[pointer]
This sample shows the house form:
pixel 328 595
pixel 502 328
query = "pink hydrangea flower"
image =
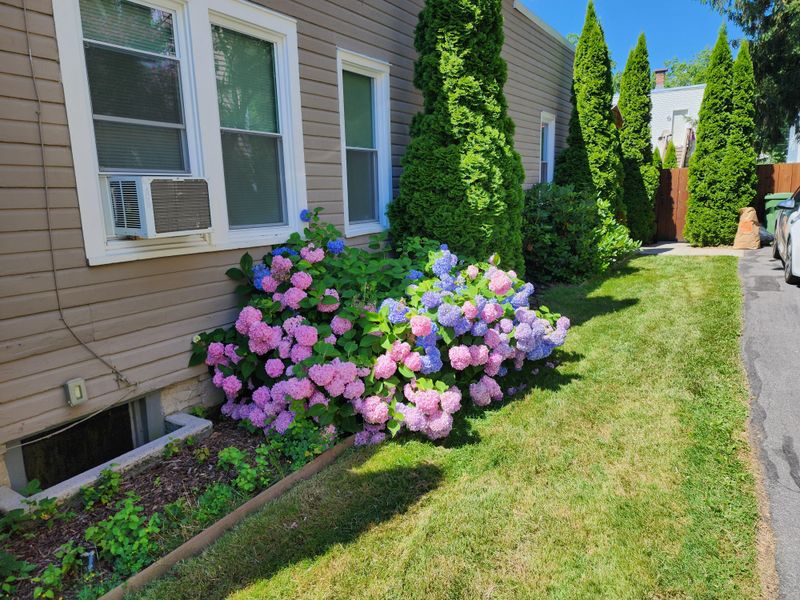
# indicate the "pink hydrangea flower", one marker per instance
pixel 306 335
pixel 321 374
pixel 215 354
pixel 269 284
pixel 261 396
pixel 293 297
pixel 413 361
pixel 472 271
pixel 292 323
pixel 479 394
pixel 420 325
pixel 492 338
pixel 302 280
pixel 354 389
pixel 311 254
pixel 263 338
pixel 284 348
pixel 506 325
pixel 329 308
pixel 231 385
pixel 399 351
pixel 257 416
pixel 460 357
pixel 299 353
pixel 470 310
pixel 478 355
pixel 492 367
pixel 274 367
pixel 375 410
pixel 414 418
pixel 439 425
pixel 340 325
pixel 218 378
pixel 385 367
pixel 491 312
pixel 500 283
pixel 299 389
pixel 318 398
pixel 282 421
pixel 280 267
pixel 230 352
pixel 450 400
pixel 247 317
pixel 427 401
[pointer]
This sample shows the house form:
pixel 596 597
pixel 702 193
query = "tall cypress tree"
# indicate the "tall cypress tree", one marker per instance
pixel 657 162
pixel 462 178
pixel 708 218
pixel 740 156
pixel 641 178
pixel 593 137
pixel 670 156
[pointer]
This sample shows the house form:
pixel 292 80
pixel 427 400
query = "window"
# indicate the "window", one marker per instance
pixel 366 159
pixel 547 147
pixel 203 89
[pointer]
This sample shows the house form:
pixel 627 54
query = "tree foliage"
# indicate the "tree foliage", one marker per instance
pixel 708 217
pixel 641 178
pixel 670 156
pixel 462 178
pixel 773 27
pixel 593 139
pixel 690 72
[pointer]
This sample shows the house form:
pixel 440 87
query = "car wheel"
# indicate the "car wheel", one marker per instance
pixel 787 265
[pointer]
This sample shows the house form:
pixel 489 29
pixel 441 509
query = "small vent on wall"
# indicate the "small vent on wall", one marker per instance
pixel 125 203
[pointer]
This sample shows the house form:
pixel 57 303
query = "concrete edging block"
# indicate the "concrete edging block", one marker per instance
pixel 187 426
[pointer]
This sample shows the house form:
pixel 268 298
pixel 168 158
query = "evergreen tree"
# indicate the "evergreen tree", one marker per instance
pixel 740 157
pixel 593 137
pixel 670 156
pixel 462 178
pixel 641 178
pixel 708 216
pixel 657 163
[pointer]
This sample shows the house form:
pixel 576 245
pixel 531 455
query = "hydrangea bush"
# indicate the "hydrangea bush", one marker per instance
pixel 366 343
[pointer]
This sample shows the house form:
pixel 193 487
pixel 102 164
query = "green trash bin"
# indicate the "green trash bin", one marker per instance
pixel 771 209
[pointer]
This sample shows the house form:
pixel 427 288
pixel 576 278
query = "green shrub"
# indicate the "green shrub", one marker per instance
pixel 613 240
pixel 657 162
pixel 104 489
pixel 709 217
pixel 462 178
pixel 670 156
pixel 559 234
pixel 641 177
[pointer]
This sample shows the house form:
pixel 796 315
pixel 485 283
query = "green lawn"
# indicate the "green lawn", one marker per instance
pixel 622 474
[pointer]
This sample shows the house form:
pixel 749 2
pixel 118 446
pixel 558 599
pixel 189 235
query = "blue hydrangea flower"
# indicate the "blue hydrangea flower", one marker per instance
pixel 540 351
pixel 305 215
pixel 336 246
pixel 431 300
pixel 479 302
pixel 260 271
pixel 479 329
pixel 397 310
pixel 446 283
pixel 283 250
pixel 443 247
pixel 502 372
pixel 448 315
pixel 413 275
pixel 462 326
pixel 428 341
pixel 444 264
pixel 432 361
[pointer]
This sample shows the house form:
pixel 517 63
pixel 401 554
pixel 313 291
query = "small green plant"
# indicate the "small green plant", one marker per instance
pixel 202 454
pixel 190 441
pixel 104 490
pixel 13 522
pixel 247 477
pixel 171 449
pixel 127 538
pixel 177 511
pixel 199 411
pixel 218 500
pixel 47 511
pixel 51 580
pixel 300 444
pixel 12 571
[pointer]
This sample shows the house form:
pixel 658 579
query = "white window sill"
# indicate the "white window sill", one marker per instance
pixel 357 229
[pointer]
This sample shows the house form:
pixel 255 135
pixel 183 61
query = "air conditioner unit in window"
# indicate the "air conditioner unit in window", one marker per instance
pixel 154 207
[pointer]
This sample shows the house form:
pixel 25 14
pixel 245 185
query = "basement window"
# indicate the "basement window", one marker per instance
pixel 53 458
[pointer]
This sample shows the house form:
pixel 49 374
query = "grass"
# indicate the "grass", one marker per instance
pixel 622 474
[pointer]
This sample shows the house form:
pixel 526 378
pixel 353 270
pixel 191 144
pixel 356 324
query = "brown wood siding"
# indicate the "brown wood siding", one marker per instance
pixel 141 315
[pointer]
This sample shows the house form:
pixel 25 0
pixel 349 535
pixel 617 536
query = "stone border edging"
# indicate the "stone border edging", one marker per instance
pixel 205 538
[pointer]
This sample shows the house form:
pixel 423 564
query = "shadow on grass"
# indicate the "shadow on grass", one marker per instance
pixel 335 508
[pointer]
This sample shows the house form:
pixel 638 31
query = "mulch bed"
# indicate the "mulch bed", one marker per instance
pixel 158 484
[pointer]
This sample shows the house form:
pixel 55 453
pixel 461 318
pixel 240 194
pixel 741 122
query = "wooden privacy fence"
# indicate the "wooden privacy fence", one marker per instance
pixel 673 195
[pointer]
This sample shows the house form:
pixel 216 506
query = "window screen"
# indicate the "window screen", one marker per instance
pixel 251 140
pixel 361 153
pixel 544 175
pixel 135 87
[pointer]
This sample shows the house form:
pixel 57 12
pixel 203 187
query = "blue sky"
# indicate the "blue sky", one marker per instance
pixel 676 28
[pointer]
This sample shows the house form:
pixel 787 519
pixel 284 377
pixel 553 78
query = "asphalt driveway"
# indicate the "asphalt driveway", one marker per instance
pixel 771 352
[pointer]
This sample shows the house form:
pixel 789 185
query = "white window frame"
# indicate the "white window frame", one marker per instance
pixel 194 47
pixel 378 71
pixel 550 120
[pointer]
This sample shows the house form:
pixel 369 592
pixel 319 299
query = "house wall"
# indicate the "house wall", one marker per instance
pixel 667 100
pixel 140 316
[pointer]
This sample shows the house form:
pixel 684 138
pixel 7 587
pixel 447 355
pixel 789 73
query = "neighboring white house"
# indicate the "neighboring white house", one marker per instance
pixel 793 149
pixel 674 117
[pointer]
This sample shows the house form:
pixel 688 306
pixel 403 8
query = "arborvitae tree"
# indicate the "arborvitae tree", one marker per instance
pixel 657 163
pixel 593 137
pixel 740 157
pixel 641 178
pixel 462 178
pixel 670 156
pixel 708 213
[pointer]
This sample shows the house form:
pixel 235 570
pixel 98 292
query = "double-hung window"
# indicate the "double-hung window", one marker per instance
pixel 206 90
pixel 547 147
pixel 366 159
